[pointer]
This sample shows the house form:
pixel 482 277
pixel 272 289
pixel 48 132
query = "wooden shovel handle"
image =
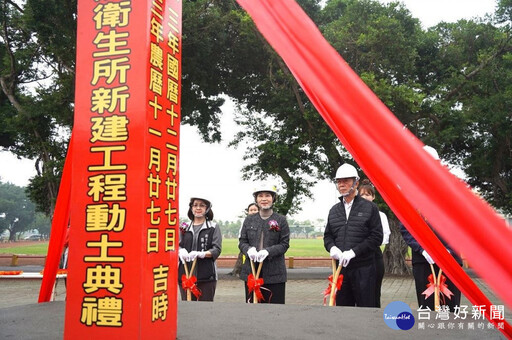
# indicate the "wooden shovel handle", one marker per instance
pixel 188 274
pixel 256 275
pixel 436 286
pixel 332 298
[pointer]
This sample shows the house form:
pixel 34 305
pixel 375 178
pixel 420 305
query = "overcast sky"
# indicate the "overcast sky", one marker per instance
pixel 214 170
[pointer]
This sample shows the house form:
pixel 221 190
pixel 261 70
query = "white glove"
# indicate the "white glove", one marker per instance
pixel 427 257
pixel 183 255
pixel 336 253
pixel 262 255
pixel 252 253
pixel 192 255
pixel 201 254
pixel 347 256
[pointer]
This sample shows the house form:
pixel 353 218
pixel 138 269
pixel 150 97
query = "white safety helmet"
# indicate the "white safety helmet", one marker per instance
pixel 200 197
pixel 209 212
pixel 347 171
pixel 266 188
pixel 431 151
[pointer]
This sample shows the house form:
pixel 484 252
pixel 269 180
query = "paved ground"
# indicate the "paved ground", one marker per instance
pixel 304 287
pixel 303 316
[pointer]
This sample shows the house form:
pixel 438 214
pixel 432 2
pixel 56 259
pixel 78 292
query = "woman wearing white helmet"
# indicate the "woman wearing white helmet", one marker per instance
pixel 265 237
pixel 200 239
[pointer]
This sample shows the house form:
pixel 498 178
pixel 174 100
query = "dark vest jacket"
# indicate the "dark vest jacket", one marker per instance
pixel 361 231
pixel 205 268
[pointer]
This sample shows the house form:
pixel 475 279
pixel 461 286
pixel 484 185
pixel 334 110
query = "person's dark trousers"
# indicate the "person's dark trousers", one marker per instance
pixel 207 291
pixel 272 293
pixel 358 287
pixel 379 268
pixel 421 272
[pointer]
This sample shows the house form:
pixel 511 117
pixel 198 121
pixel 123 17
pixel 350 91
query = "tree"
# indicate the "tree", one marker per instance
pixel 449 85
pixel 284 135
pixel 37 43
pixel 16 210
pixel 467 72
pixel 42 224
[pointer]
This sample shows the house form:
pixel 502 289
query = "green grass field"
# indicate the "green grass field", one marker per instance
pixel 39 248
pixel 298 248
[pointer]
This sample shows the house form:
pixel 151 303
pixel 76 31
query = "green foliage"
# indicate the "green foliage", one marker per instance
pixel 467 114
pixel 230 229
pixel 450 85
pixel 37 73
pixel 42 223
pixel 16 210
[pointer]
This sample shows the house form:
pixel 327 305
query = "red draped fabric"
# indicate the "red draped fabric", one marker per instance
pixel 59 228
pixel 392 157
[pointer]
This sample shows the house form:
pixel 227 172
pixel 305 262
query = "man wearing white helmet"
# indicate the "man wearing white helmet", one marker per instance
pixel 265 237
pixel 352 234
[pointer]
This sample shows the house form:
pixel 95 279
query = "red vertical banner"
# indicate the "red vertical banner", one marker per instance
pixel 122 278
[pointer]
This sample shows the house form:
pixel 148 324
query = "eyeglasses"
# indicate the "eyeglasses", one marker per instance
pixel 344 180
pixel 196 206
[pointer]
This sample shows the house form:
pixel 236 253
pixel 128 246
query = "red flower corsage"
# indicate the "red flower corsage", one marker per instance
pixel 183 227
pixel 274 226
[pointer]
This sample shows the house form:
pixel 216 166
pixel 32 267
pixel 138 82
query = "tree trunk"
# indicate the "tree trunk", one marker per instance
pixel 238 266
pixel 395 252
pixel 12 234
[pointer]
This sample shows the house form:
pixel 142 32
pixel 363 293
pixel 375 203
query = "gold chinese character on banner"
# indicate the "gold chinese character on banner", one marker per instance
pixel 111 43
pixel 100 277
pixel 152 244
pixel 109 99
pixel 100 218
pixel 104 244
pixel 105 311
pixel 171 214
pixel 152 211
pixel 160 275
pixel 110 69
pixel 171 186
pixel 156 56
pixel 112 187
pixel 107 158
pixel 160 307
pixel 109 129
pixel 170 239
pixel 112 14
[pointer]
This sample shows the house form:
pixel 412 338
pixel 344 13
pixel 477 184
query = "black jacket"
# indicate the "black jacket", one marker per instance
pixel 255 231
pixel 209 238
pixel 417 249
pixel 361 232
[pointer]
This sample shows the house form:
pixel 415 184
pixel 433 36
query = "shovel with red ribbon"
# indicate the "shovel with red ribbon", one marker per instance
pixel 437 285
pixel 254 283
pixel 188 282
pixel 335 281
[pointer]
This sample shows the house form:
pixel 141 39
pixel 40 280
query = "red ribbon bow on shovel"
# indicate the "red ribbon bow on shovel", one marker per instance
pixel 190 284
pixel 327 291
pixel 254 285
pixel 443 287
